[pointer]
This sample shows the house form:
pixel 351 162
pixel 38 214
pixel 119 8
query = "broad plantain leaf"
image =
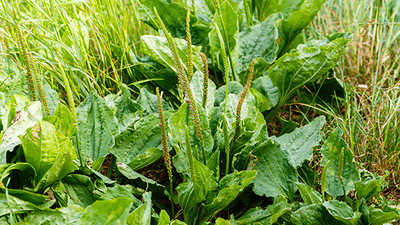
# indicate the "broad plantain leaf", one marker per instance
pixel 309 195
pixel 342 212
pixel 113 211
pixel 66 121
pixel 61 216
pixel 197 88
pixel 229 188
pixel 331 151
pixel 96 126
pixel 265 87
pixel 23 120
pixel 149 102
pixel 275 174
pixel 141 215
pixel 158 49
pixel 49 152
pixel 315 214
pixel 370 188
pixel 268 216
pixel 305 64
pixel 300 142
pixel 136 139
pixel 75 189
pixel 379 216
pixel 259 41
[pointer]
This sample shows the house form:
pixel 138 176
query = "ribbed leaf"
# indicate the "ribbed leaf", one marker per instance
pixel 49 152
pixel 331 151
pixel 342 212
pixel 275 174
pixel 300 142
pixel 96 126
pixel 23 119
pixel 113 212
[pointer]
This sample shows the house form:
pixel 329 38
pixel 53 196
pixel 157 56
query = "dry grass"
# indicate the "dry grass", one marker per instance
pixel 370 116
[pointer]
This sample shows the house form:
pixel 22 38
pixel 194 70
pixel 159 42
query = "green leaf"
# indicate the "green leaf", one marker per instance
pixel 234 87
pixel 330 151
pixel 197 89
pixel 176 124
pixel 370 188
pixel 17 175
pixel 379 216
pixel 158 49
pixel 164 218
pixel 13 106
pixel 342 212
pixel 74 189
pixel 65 119
pixel 300 142
pixel 275 174
pixel 298 14
pixel 120 191
pixel 51 96
pixel 229 188
pixel 61 216
pixel 229 31
pixel 149 102
pixel 265 87
pixel 315 214
pixel 141 215
pixel 29 196
pixel 309 195
pixel 140 140
pixel 113 211
pixel 221 221
pixel 17 205
pixel 145 159
pixel 23 120
pixel 96 126
pixel 268 216
pixel 259 41
pixel 49 152
pixel 305 64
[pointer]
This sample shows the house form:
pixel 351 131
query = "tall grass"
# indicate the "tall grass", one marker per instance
pixel 371 113
pixel 96 41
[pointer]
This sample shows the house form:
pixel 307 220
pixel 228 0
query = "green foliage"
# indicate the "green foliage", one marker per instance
pixel 224 162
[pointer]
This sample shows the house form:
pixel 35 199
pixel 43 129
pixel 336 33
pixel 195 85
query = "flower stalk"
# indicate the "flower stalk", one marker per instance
pixel 24 53
pixel 240 103
pixel 167 156
pixel 189 62
pixel 205 78
pixel 184 83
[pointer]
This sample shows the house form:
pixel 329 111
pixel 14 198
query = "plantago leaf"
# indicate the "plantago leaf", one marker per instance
pixel 309 195
pixel 141 215
pixel 49 152
pixel 330 151
pixel 24 119
pixel 96 127
pixel 268 216
pixel 113 211
pixel 300 142
pixel 229 188
pixel 139 140
pixel 370 188
pixel 342 212
pixel 275 174
pixel 197 89
pixel 312 214
pixel 149 102
pixel 259 41
pixel 379 216
pixel 305 64
pixel 158 49
pixel 61 216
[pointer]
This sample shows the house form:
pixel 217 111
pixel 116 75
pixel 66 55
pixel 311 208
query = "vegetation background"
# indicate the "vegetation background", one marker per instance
pixel 369 112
